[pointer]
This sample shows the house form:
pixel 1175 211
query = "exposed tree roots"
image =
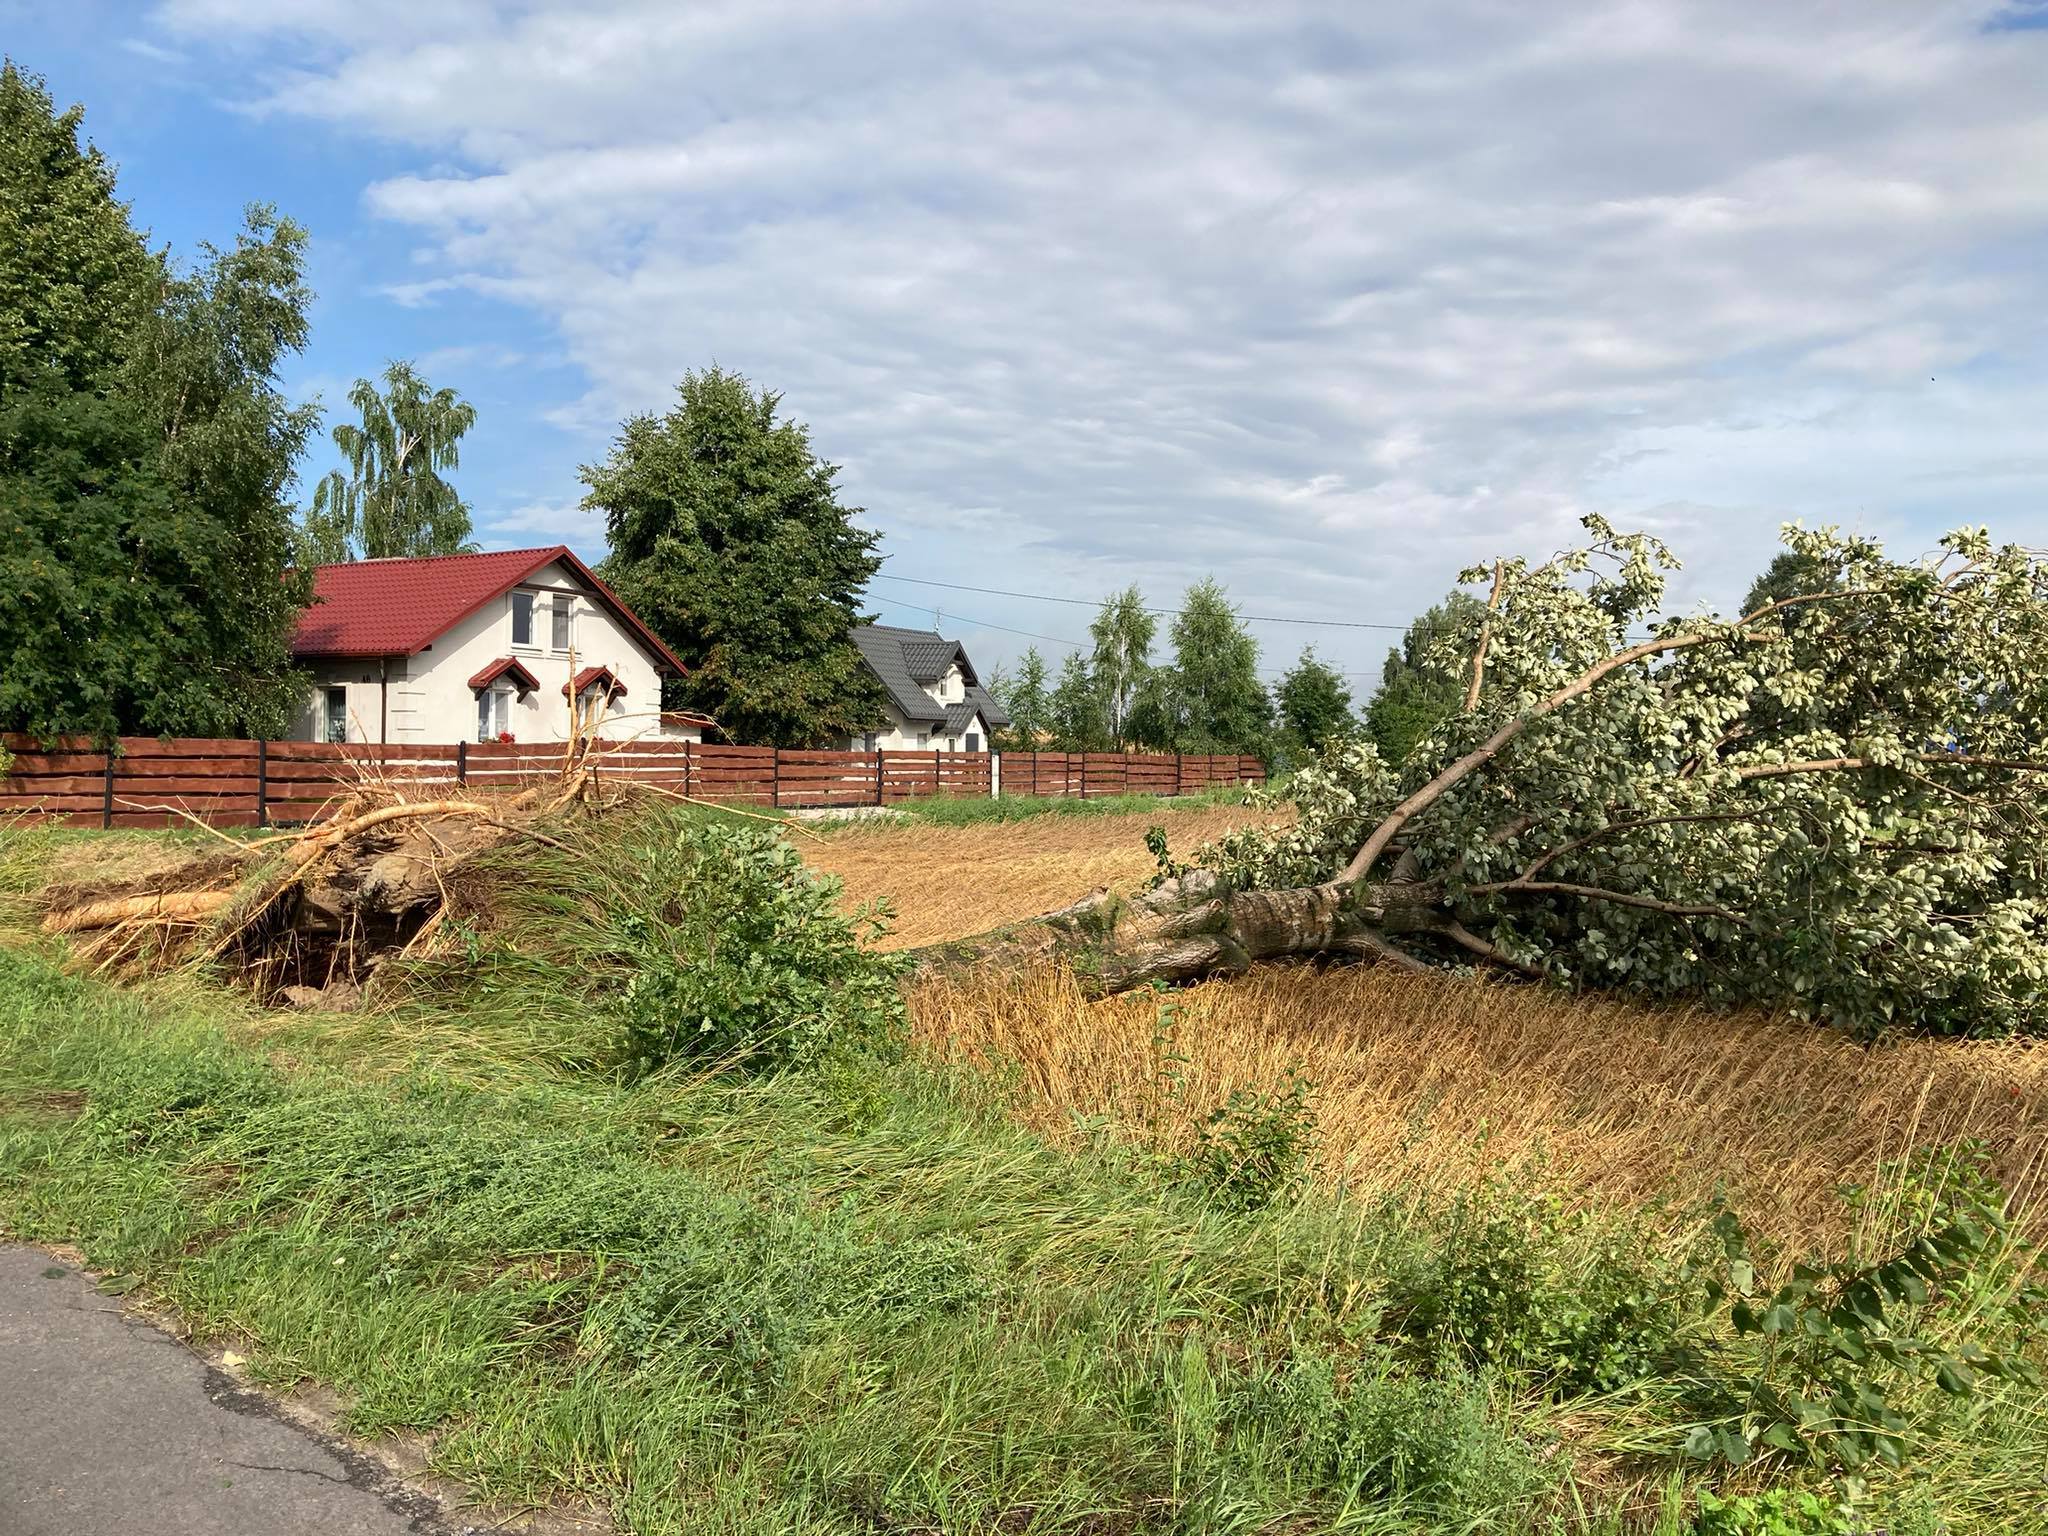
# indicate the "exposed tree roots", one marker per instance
pixel 1194 926
pixel 308 914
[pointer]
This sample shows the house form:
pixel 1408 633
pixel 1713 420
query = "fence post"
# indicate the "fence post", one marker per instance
pixel 878 775
pixel 936 767
pixel 775 778
pixel 1084 775
pixel 107 800
pixel 688 756
pixel 462 762
pixel 262 781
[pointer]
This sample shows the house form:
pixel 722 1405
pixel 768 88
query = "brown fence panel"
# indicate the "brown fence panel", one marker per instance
pixel 147 781
pixel 1152 775
pixel 1050 774
pixel 909 775
pixel 304 780
pixel 660 762
pixel 805 778
pixel 963 773
pixel 1108 773
pixel 738 775
pixel 157 782
pixel 68 780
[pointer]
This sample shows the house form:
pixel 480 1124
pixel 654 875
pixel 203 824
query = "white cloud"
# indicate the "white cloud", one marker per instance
pixel 540 523
pixel 1332 300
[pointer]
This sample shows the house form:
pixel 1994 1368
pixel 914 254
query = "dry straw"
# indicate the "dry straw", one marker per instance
pixel 1432 1082
pixel 1435 1082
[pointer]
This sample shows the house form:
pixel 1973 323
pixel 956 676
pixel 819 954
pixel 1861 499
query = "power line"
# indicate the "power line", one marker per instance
pixel 1072 645
pixel 1082 602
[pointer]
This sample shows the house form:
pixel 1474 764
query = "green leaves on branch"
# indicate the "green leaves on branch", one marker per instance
pixel 1837 1356
pixel 1829 805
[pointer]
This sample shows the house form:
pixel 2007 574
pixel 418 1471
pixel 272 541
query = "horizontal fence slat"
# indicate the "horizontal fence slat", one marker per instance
pixel 185 746
pixel 39 804
pixel 216 784
pixel 52 784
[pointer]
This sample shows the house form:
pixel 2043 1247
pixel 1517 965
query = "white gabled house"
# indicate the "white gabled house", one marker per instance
pixel 935 700
pixel 477 648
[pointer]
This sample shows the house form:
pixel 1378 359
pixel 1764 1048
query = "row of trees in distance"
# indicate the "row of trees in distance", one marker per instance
pixel 1206 693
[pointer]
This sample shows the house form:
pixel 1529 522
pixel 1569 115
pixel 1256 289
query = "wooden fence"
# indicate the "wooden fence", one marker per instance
pixel 147 782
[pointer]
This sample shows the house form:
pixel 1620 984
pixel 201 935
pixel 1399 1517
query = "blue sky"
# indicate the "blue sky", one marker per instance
pixel 1326 302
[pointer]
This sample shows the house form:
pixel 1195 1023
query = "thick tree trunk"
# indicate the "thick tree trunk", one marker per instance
pixel 1195 926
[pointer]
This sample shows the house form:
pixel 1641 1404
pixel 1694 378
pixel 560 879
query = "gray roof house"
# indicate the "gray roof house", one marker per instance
pixel 936 700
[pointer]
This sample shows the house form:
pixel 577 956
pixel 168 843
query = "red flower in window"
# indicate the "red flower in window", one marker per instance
pixel 504 738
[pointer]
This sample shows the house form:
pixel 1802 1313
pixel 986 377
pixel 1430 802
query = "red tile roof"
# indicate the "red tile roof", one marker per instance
pixel 588 678
pixel 506 666
pixel 396 607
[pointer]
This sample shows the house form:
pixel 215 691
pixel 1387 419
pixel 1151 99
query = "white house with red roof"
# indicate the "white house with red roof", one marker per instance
pixel 479 648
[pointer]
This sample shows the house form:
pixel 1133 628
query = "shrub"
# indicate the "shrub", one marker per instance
pixel 1430 1444
pixel 1520 1284
pixel 1832 1367
pixel 742 954
pixel 1256 1147
pixel 1781 1512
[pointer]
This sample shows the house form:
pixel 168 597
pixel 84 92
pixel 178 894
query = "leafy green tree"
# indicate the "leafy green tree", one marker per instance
pixel 729 539
pixel 1315 705
pixel 393 499
pixel 1214 699
pixel 1025 697
pixel 1791 574
pixel 1423 682
pixel 1122 633
pixel 1074 711
pixel 145 450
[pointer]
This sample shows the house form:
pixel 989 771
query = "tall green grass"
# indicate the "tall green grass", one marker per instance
pixel 857 1297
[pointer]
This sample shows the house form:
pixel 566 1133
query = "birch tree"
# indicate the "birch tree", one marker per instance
pixel 394 498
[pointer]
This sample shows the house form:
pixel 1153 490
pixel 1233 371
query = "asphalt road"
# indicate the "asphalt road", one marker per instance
pixel 110 1427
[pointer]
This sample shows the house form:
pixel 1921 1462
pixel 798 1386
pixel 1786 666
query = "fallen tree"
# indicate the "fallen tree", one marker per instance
pixel 1831 804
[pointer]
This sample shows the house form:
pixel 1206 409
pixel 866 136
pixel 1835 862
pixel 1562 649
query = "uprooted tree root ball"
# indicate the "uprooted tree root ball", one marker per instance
pixel 301 912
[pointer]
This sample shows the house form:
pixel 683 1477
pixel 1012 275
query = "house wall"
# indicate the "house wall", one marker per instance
pixel 907 736
pixel 901 735
pixel 430 699
pixel 959 743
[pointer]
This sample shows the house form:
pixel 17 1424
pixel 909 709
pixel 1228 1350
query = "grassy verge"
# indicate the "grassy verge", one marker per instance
pixel 858 1294
pixel 977 810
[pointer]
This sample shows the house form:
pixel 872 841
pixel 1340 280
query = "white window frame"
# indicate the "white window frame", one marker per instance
pixel 327 713
pixel 493 712
pixel 528 644
pixel 562 622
